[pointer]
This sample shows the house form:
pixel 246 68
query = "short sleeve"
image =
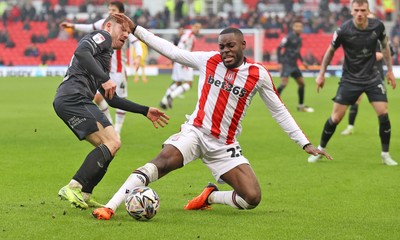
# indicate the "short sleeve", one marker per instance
pixel 337 40
pixel 382 36
pixel 95 42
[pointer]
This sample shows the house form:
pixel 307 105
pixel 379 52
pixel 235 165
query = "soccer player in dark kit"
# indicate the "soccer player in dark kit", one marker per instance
pixel 88 72
pixel 353 111
pixel 359 37
pixel 289 68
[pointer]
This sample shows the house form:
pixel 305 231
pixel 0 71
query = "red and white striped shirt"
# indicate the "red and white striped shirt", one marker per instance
pixel 225 94
pixel 187 41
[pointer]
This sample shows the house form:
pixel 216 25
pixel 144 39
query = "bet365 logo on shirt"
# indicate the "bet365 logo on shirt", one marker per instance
pixel 227 86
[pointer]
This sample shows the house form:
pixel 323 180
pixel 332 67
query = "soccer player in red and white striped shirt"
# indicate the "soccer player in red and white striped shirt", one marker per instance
pixel 227 83
pixel 118 64
pixel 182 75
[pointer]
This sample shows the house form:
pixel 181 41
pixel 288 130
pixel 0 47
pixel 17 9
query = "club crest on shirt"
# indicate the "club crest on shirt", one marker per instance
pixel 230 76
pixel 98 38
pixel 373 35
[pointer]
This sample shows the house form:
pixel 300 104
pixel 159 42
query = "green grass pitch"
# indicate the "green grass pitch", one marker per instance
pixel 352 197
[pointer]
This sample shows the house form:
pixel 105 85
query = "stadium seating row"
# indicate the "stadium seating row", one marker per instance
pixel 63 49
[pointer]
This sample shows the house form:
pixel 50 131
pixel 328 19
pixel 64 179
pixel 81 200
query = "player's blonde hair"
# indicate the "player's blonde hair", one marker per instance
pixel 110 18
pixel 360 2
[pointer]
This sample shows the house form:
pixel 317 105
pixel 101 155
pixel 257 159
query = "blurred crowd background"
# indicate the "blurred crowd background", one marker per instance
pixel 30 32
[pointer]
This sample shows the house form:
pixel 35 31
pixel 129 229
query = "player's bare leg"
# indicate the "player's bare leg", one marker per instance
pixel 103 105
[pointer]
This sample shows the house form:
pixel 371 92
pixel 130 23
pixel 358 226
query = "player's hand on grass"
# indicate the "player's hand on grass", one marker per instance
pixel 391 80
pixel 109 88
pixel 320 81
pixel 310 149
pixel 157 117
pixel 123 19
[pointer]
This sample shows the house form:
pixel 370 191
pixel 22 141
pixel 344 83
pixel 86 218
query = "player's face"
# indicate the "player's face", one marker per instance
pixel 231 48
pixel 112 9
pixel 181 31
pixel 196 28
pixel 360 13
pixel 298 28
pixel 119 33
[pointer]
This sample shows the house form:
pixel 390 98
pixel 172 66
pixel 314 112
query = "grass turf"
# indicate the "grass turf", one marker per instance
pixel 352 197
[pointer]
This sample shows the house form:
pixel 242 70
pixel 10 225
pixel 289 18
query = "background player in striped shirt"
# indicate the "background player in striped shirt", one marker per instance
pixel 227 84
pixel 182 76
pixel 118 64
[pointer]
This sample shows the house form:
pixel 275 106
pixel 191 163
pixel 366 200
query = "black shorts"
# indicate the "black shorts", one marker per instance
pixel 348 93
pixel 289 70
pixel 80 114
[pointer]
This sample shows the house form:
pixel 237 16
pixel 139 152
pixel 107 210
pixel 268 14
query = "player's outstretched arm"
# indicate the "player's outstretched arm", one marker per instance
pixel 320 81
pixel 157 117
pixel 67 25
pixel 310 149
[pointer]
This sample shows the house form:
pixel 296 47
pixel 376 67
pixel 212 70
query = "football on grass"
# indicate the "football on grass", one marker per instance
pixel 142 203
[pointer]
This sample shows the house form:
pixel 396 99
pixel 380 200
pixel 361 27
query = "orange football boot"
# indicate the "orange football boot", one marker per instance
pixel 200 202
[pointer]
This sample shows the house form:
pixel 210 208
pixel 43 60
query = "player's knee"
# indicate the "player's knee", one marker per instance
pixel 253 200
pixel 114 145
pixel 186 86
pixel 250 201
pixel 169 159
pixel 335 119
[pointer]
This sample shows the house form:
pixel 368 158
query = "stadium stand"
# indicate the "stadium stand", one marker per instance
pixel 316 36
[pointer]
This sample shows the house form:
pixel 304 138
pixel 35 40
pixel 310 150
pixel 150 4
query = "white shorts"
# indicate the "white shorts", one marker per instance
pixel 122 84
pixel 181 73
pixel 217 156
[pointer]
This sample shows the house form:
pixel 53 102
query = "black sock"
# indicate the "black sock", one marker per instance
pixel 353 113
pixel 300 91
pixel 384 131
pixel 329 130
pixel 93 168
pixel 280 88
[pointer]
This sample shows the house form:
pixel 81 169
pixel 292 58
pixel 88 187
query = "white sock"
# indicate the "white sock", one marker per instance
pixel 134 180
pixel 119 197
pixel 74 184
pixel 385 154
pixel 103 105
pixel 222 197
pixel 180 90
pixel 119 120
pixel 170 89
pixel 86 196
pixel 229 198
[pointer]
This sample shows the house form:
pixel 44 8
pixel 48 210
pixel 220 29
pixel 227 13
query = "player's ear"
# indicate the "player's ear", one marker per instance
pixel 107 26
pixel 243 44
